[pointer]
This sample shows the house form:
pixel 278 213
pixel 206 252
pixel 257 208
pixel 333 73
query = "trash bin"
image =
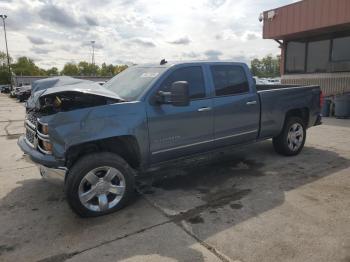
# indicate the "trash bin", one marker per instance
pixel 326 108
pixel 342 106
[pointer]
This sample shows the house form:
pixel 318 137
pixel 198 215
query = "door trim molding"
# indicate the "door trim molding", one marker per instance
pixel 203 142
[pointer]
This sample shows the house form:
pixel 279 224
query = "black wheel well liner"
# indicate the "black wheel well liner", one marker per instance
pixel 125 146
pixel 303 113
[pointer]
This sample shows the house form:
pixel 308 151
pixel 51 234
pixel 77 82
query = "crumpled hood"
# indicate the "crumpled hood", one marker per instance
pixel 88 88
pixel 82 86
pixel 56 81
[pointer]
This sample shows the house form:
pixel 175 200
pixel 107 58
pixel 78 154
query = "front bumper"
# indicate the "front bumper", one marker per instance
pixel 38 157
pixel 50 169
pixel 53 175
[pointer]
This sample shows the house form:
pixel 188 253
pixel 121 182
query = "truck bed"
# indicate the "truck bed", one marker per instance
pixel 277 100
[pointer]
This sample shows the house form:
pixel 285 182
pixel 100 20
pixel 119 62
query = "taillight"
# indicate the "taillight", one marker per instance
pixel 321 99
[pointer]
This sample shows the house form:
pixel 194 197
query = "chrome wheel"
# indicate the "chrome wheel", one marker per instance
pixel 102 188
pixel 295 136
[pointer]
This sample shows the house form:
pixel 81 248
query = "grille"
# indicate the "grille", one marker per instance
pixel 33 118
pixel 30 136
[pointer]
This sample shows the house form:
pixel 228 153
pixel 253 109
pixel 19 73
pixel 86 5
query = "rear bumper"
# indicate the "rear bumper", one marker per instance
pixel 318 120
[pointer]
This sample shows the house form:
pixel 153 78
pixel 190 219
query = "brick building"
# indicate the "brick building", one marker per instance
pixel 314 37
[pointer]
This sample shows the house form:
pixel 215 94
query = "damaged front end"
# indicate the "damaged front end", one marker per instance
pixel 41 141
pixel 70 100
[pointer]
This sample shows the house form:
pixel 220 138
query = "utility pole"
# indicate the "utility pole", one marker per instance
pixel 93 57
pixel 3 17
pixel 93 53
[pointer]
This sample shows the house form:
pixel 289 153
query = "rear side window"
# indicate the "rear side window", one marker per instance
pixel 193 75
pixel 229 80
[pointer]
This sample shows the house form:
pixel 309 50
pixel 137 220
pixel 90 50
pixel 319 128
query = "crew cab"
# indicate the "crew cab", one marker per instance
pixel 96 139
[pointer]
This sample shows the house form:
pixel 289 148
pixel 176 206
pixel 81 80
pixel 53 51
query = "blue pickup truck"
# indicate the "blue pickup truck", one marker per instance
pixel 96 139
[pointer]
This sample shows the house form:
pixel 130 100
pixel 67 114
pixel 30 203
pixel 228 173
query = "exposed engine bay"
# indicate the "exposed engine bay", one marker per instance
pixel 68 101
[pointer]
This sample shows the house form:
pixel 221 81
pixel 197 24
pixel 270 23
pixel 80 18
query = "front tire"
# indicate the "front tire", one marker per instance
pixel 99 184
pixel 292 138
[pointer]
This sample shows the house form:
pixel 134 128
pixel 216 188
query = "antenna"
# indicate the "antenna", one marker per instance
pixel 163 62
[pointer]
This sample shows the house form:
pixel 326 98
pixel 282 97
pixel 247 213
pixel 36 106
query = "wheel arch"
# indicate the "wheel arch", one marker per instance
pixel 126 147
pixel 303 113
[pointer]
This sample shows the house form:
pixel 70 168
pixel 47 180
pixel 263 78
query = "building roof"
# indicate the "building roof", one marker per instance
pixel 306 18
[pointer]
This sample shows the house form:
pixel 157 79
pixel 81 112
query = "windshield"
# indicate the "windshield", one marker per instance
pixel 130 83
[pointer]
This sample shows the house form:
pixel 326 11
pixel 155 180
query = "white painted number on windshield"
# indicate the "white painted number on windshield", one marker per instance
pixel 149 75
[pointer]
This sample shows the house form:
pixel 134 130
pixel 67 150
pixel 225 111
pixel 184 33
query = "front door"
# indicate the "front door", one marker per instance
pixel 179 131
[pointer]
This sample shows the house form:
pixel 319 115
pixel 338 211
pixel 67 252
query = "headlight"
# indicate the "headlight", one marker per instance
pixel 47 146
pixel 44 129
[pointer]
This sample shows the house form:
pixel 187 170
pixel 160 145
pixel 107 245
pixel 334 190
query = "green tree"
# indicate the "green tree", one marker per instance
pixel 70 69
pixel 4 72
pixel 107 70
pixel 88 69
pixel 120 68
pixel 26 66
pixel 268 66
pixel 52 71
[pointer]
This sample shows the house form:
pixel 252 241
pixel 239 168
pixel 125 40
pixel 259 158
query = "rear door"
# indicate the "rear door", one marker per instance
pixel 236 106
pixel 180 131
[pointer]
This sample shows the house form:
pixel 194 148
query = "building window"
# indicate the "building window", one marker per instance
pixel 229 80
pixel 341 49
pixel 193 75
pixel 295 57
pixel 318 56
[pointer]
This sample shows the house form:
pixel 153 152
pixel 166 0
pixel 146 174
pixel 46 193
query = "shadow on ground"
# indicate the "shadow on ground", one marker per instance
pixel 245 181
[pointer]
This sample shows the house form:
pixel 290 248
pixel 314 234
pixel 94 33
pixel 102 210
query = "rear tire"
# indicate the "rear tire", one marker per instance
pixel 292 138
pixel 99 184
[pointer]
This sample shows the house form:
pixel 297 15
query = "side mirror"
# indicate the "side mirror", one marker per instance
pixel 179 94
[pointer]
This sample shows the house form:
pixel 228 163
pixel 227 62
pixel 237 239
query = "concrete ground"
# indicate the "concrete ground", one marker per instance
pixel 249 204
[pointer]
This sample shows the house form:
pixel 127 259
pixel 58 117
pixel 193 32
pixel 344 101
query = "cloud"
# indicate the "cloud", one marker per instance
pixel 37 40
pixel 91 21
pixel 143 42
pixel 181 41
pixel 213 54
pixel 40 51
pixel 97 45
pixel 136 31
pixel 191 55
pixel 252 36
pixel 216 3
pixel 58 16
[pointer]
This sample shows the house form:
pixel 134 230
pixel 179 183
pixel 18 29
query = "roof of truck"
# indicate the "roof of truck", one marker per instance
pixel 192 62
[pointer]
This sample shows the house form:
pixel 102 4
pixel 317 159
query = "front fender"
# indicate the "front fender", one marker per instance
pixel 67 129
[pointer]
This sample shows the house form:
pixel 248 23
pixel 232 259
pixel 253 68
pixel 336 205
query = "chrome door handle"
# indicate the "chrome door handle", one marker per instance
pixel 204 109
pixel 251 103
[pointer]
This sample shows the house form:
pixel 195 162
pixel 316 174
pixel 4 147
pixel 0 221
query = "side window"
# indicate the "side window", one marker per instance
pixel 193 75
pixel 229 80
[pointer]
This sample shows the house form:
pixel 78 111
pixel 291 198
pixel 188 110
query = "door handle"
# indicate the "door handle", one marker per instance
pixel 204 109
pixel 251 103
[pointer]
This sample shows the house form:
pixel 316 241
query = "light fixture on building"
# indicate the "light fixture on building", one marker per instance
pixel 261 17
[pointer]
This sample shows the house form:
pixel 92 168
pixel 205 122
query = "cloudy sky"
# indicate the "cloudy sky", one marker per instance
pixel 55 32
